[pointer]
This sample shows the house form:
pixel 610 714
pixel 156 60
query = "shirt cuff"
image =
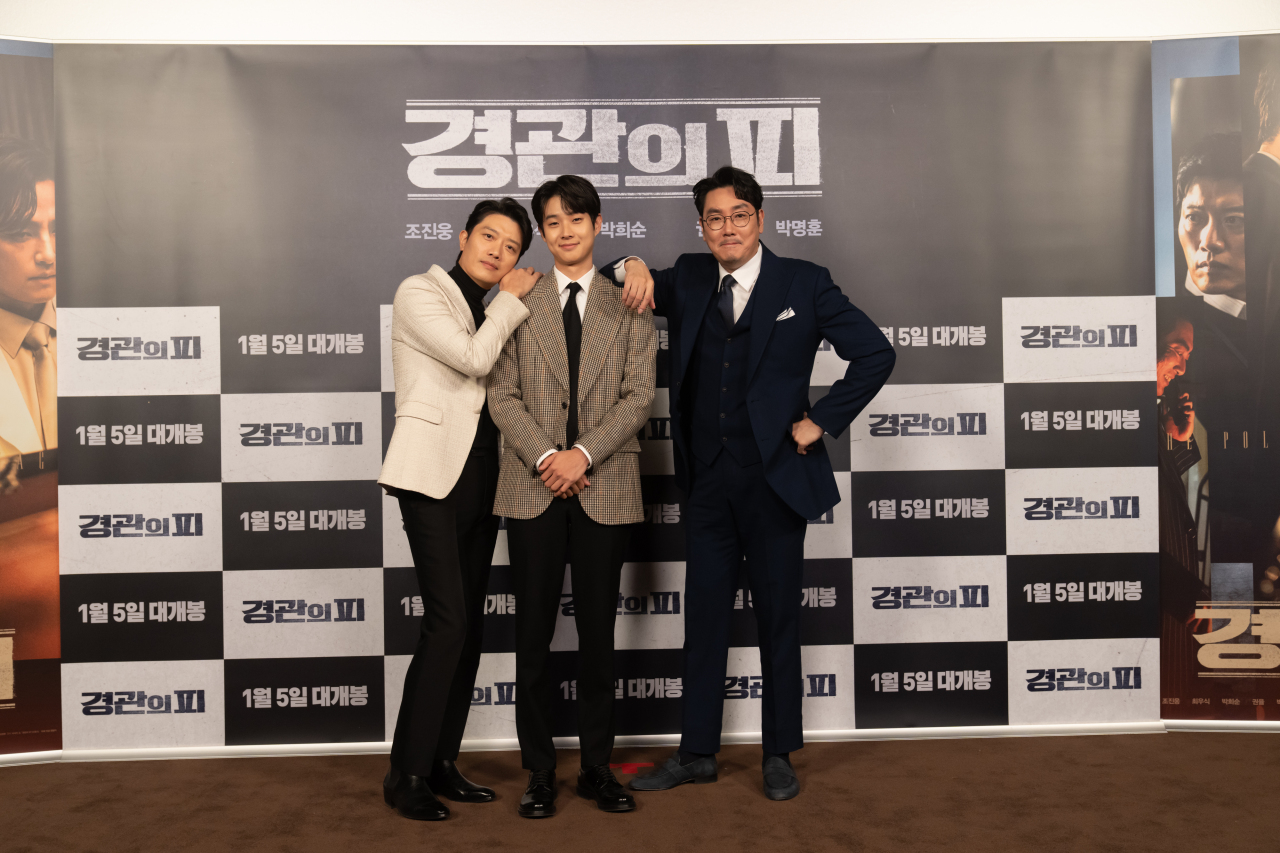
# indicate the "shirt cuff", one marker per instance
pixel 620 268
pixel 585 453
pixel 542 457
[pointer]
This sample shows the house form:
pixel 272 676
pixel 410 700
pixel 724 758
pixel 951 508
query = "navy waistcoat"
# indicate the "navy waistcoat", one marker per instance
pixel 717 390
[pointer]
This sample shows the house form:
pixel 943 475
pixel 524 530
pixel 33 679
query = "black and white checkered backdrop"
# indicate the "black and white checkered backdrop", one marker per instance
pixel 236 220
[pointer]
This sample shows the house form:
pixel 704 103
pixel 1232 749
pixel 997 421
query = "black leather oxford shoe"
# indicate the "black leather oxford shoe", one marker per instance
pixel 597 783
pixel 447 781
pixel 411 796
pixel 539 798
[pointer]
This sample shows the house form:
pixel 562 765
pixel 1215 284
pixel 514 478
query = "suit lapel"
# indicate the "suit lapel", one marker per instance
pixel 603 317
pixel 456 300
pixel 699 298
pixel 547 324
pixel 770 294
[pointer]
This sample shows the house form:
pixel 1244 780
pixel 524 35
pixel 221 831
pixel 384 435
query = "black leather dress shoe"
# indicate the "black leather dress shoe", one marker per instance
pixel 447 781
pixel 411 796
pixel 780 782
pixel 597 783
pixel 539 798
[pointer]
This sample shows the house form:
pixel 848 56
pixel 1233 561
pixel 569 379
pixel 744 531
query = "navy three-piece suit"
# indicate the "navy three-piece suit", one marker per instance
pixel 735 392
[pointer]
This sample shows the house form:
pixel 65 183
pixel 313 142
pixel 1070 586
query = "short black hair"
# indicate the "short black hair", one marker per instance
pixel 743 183
pixel 577 195
pixel 508 207
pixel 22 166
pixel 1217 157
pixel 1266 97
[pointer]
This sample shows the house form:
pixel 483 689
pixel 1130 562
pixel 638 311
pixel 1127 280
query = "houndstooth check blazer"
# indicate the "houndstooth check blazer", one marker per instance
pixel 529 401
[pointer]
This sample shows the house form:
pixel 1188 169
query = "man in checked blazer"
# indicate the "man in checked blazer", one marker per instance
pixel 570 391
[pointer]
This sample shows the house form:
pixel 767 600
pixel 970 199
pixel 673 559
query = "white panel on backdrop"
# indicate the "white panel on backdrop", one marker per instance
pixel 493 699
pixel 1079 339
pixel 142 704
pixel 827 679
pixel 1084 681
pixel 829 536
pixel 334 436
pixel 828 367
pixel 657 450
pixel 108 352
pixel 650 609
pixel 930 428
pixel 384 337
pixel 966 601
pixel 140 527
pixel 1081 511
pixel 302 613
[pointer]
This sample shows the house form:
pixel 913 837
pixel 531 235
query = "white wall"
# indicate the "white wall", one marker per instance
pixel 604 21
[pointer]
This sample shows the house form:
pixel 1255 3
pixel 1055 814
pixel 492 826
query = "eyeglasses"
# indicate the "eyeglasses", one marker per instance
pixel 740 219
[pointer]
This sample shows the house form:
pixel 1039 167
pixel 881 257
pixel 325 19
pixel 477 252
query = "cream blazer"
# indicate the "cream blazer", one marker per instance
pixel 441 363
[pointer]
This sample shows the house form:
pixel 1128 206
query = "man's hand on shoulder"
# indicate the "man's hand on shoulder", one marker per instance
pixel 805 432
pixel 519 281
pixel 637 291
pixel 562 470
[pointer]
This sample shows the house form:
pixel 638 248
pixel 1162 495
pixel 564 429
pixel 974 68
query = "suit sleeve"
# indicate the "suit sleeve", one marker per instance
pixel 664 284
pixel 856 340
pixel 508 409
pixel 425 322
pixel 630 413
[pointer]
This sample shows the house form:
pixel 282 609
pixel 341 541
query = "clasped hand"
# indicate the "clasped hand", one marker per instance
pixel 564 472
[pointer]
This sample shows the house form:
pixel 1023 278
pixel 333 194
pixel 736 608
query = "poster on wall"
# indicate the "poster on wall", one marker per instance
pixel 242 216
pixel 1218 374
pixel 29 632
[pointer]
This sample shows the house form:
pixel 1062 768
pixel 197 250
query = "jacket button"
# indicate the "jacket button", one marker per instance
pixel 726 364
pixel 558 447
pixel 564 404
pixel 722 414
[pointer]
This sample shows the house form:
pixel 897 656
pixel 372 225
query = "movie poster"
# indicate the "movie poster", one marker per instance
pixel 30 645
pixel 1218 374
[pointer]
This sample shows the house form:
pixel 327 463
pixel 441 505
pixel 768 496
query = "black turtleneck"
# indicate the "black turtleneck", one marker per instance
pixel 486 440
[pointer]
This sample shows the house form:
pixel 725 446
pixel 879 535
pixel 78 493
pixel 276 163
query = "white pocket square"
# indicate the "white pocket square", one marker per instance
pixel 786 315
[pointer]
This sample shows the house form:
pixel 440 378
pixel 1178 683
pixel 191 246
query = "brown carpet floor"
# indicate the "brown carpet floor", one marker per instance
pixel 1171 792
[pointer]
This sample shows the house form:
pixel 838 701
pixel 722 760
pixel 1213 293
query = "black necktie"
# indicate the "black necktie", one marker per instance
pixel 573 346
pixel 726 301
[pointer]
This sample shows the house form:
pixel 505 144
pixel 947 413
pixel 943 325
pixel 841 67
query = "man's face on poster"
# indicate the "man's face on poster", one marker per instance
pixel 1211 230
pixel 28 256
pixel 1175 349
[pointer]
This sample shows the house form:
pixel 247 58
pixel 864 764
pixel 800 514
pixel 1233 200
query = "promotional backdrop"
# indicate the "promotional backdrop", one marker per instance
pixel 236 221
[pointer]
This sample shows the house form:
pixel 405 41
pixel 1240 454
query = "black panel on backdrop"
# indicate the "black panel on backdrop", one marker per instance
pixel 344 354
pixel 935 536
pixel 649 690
pixel 1083 596
pixel 133 459
pixel 890 677
pixel 942 341
pixel 304 700
pixel 402 611
pixel 1079 424
pixel 826 606
pixel 311 525
pixel 141 616
pixel 660 537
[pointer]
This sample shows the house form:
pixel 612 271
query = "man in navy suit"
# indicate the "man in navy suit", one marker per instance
pixel 744 327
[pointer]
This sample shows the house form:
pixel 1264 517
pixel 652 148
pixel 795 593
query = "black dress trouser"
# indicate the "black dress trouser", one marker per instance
pixel 452 541
pixel 539 548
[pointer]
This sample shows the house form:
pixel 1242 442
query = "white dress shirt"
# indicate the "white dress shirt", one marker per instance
pixel 562 282
pixel 21 425
pixel 1237 308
